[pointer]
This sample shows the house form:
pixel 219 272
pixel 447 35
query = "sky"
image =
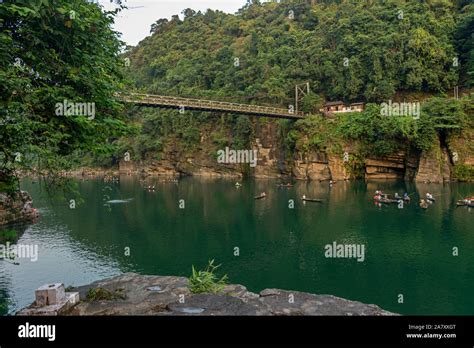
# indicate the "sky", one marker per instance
pixel 135 22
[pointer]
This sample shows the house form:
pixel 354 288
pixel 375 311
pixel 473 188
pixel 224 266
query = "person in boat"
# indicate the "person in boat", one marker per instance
pixel 397 196
pixel 423 204
pixel 429 196
pixel 304 197
pixel 237 184
pixel 406 197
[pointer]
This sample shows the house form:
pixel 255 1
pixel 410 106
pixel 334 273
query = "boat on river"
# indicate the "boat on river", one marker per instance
pixel 429 198
pixel 424 204
pixel 285 185
pixel 261 196
pixel 315 200
pixel 384 199
pixel 466 202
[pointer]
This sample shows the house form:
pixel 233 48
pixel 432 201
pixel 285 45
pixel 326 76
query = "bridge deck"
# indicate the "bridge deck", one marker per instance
pixel 209 105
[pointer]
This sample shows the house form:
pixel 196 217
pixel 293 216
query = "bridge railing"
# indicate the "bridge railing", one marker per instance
pixel 208 104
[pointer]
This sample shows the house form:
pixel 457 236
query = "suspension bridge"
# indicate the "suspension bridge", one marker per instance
pixel 160 101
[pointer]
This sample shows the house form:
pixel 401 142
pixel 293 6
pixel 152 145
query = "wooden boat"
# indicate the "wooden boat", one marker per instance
pixel 464 203
pixel 284 185
pixel 316 200
pixel 386 200
pixel 432 199
pixel 260 196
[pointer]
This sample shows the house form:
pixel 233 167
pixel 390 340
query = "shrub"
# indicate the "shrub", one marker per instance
pixel 206 281
pixel 101 294
pixel 8 236
pixel 463 172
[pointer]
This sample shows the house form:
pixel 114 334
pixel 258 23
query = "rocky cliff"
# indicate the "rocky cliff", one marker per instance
pixel 304 163
pixel 17 208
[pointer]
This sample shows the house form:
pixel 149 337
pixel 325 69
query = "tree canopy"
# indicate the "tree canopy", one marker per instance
pixel 349 50
pixel 56 52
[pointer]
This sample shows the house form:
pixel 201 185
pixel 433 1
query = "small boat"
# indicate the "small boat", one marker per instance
pixel 317 200
pixel 429 197
pixel 260 196
pixel 385 200
pixel 285 185
pixel 465 203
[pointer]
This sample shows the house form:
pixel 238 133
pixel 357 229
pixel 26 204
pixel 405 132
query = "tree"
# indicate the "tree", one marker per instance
pixel 53 53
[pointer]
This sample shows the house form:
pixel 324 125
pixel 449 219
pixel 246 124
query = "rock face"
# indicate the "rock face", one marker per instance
pixel 304 163
pixel 156 295
pixel 390 167
pixel 337 168
pixel 434 166
pixel 17 208
pixel 312 166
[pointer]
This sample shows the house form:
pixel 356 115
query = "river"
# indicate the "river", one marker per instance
pixel 261 244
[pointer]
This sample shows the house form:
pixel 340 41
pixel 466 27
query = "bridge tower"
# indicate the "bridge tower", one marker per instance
pixel 300 92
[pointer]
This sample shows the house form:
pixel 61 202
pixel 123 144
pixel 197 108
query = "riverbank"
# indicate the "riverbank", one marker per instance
pixel 136 294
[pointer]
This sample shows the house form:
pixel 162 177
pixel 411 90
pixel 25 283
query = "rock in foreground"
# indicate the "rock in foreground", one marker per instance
pixel 157 295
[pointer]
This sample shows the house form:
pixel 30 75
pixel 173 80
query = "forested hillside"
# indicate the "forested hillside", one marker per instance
pixel 350 50
pixel 368 51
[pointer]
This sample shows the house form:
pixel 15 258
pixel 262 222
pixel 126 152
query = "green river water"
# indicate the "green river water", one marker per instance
pixel 408 251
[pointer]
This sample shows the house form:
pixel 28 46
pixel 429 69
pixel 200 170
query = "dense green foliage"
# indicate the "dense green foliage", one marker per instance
pixel 260 53
pixel 380 135
pixel 350 50
pixel 465 42
pixel 371 51
pixel 51 51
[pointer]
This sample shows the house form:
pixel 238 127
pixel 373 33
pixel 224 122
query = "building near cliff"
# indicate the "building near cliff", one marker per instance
pixel 340 107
